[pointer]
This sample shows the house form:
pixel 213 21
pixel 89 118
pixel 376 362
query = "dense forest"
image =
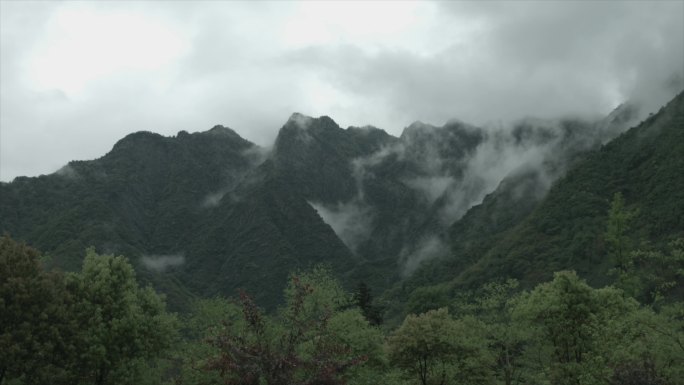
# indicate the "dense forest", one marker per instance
pixel 204 259
pixel 99 326
pixel 207 213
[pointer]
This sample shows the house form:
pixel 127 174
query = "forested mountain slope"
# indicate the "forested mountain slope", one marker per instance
pixel 515 233
pixel 567 229
pixel 199 211
pixel 136 198
pixel 207 213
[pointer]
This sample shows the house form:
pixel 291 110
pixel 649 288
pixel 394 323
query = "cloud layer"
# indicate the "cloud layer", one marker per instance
pixel 161 263
pixel 72 82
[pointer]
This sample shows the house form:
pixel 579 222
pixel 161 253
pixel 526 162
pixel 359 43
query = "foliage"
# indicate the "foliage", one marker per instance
pixel 123 326
pixel 99 327
pixel 655 275
pixel 437 349
pixel 637 373
pixel 325 294
pixel 650 347
pixel 36 332
pixel 93 327
pixel 427 298
pixel 506 337
pixel 351 328
pixel 206 320
pixel 578 322
pixel 301 350
pixel 364 300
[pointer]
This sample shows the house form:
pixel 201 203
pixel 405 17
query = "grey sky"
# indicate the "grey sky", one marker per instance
pixel 77 76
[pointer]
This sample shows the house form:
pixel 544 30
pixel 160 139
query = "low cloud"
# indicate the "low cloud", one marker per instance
pixel 67 172
pixel 161 263
pixel 427 248
pixel 213 199
pixel 362 167
pixel 538 145
pixel 432 187
pixel 351 221
pixel 493 160
pixel 454 167
pixel 255 156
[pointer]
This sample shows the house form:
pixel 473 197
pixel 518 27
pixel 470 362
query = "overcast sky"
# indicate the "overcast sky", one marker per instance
pixel 77 76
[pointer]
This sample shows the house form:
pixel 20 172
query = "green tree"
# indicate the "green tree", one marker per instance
pixel 123 327
pixel 350 328
pixel 582 325
pixel 35 328
pixel 506 337
pixel 655 276
pixel 651 347
pixel 438 349
pixel 427 298
pixel 207 319
pixel 364 300
pixel 298 347
pixel 326 294
pixel 424 345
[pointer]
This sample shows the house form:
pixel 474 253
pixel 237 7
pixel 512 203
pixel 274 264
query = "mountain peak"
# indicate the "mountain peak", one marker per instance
pixel 452 127
pixel 416 129
pixel 137 138
pixel 304 122
pixel 419 125
pixel 299 120
pixel 301 129
pixel 219 130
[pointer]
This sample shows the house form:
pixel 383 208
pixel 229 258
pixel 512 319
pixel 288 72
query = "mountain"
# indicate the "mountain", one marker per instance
pixel 519 232
pixel 566 229
pixel 207 213
pixel 123 201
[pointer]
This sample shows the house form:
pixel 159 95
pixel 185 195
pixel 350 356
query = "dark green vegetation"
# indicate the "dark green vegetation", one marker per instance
pixel 207 213
pixel 570 271
pixel 96 326
pixel 511 235
pixel 99 327
pixel 160 198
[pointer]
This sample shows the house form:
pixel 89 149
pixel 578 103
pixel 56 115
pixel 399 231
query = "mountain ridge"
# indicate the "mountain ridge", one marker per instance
pixel 528 238
pixel 233 214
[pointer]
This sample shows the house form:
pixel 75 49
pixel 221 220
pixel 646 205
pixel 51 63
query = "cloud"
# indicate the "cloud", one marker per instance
pixel 527 145
pixel 432 187
pixel 362 167
pixel 213 199
pixel 250 65
pixel 161 263
pixel 429 247
pixel 454 167
pixel 301 121
pixel 67 172
pixel 255 155
pixel 351 221
pixel 523 58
